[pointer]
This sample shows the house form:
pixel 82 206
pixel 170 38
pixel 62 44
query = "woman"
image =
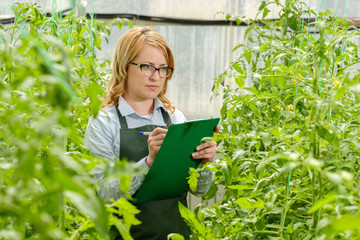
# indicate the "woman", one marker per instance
pixel 135 102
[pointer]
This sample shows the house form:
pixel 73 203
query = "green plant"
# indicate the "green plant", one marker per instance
pixel 51 82
pixel 290 139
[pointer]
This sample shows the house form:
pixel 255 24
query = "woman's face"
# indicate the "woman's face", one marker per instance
pixel 139 86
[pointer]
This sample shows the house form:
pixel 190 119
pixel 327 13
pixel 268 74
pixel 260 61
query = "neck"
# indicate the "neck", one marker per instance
pixel 142 108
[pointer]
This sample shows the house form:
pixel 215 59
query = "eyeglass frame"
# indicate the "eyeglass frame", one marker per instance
pixel 156 69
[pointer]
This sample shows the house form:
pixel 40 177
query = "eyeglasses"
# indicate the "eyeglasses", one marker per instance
pixel 149 70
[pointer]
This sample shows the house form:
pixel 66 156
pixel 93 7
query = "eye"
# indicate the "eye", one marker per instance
pixel 146 67
pixel 165 69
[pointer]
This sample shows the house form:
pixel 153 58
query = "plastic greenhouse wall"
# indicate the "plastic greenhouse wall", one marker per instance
pixel 201 52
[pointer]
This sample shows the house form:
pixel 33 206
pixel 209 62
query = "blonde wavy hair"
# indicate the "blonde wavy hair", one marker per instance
pixel 126 50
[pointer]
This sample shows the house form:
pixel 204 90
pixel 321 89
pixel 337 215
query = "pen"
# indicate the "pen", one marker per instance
pixel 145 133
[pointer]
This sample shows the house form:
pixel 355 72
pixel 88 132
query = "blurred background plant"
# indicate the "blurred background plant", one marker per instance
pixel 290 140
pixel 51 82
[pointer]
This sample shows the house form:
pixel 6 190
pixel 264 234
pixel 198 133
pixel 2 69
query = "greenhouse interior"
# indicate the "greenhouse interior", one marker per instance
pixel 174 120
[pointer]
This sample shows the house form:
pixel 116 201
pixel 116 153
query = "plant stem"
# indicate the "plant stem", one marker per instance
pixel 296 199
pixel 314 197
pixel 267 232
pixel 76 233
pixel 320 191
pixel 287 192
pixel 62 210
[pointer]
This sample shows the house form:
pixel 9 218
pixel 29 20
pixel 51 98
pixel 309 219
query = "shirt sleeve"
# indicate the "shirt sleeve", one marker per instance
pixel 99 140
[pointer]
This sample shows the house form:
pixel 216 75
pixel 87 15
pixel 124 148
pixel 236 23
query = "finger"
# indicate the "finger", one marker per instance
pixel 157 137
pixel 155 143
pixel 207 157
pixel 158 131
pixel 206 145
pixel 205 153
pixel 211 149
pixel 156 140
pixel 205 148
pixel 217 129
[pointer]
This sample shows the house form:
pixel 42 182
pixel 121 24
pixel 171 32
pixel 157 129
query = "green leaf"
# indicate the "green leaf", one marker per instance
pixel 237 47
pixel 327 135
pixel 237 67
pixel 288 114
pixel 175 236
pixel 327 199
pixel 124 208
pixel 293 23
pixel 262 6
pixel 264 47
pixel 228 16
pixel 193 179
pixel 229 113
pixel 239 187
pixel 191 220
pixel 252 106
pixel 240 81
pixel 266 139
pixel 249 203
pixel 260 169
pixel 91 206
pixel 131 25
pixel 290 227
pixel 247 55
pixel 10 234
pixel 211 192
pixel 226 171
pixel 346 222
pixel 248 30
pixel 265 13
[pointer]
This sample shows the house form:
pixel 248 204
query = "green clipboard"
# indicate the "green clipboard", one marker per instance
pixel 168 175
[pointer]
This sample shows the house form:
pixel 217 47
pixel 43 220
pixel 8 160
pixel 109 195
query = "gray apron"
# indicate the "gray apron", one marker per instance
pixel 161 217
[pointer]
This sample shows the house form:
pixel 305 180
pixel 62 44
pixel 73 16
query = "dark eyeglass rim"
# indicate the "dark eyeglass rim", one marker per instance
pixel 156 69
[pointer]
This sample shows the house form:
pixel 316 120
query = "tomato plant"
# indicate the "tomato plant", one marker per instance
pixel 51 82
pixel 290 139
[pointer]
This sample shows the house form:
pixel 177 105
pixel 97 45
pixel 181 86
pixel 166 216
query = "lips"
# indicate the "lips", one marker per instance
pixel 152 87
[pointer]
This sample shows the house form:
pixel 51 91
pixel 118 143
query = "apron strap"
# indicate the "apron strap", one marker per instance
pixel 122 119
pixel 166 117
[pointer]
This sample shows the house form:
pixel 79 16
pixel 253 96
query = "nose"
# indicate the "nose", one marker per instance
pixel 155 75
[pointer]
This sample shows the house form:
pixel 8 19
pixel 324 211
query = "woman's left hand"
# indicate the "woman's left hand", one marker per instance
pixel 206 151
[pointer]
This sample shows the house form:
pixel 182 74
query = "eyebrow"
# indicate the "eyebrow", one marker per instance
pixel 152 64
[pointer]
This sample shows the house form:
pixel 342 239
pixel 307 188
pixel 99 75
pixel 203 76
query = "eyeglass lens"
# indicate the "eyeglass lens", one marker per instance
pixel 150 70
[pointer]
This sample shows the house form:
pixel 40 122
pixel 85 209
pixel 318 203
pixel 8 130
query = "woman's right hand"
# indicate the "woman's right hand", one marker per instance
pixel 154 141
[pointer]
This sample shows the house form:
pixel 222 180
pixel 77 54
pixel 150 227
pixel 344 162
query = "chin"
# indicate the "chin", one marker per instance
pixel 152 96
pixel 155 94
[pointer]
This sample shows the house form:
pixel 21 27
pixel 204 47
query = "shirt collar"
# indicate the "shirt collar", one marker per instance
pixel 158 104
pixel 125 109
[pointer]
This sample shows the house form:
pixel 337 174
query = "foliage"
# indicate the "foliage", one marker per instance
pixel 290 139
pixel 51 82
